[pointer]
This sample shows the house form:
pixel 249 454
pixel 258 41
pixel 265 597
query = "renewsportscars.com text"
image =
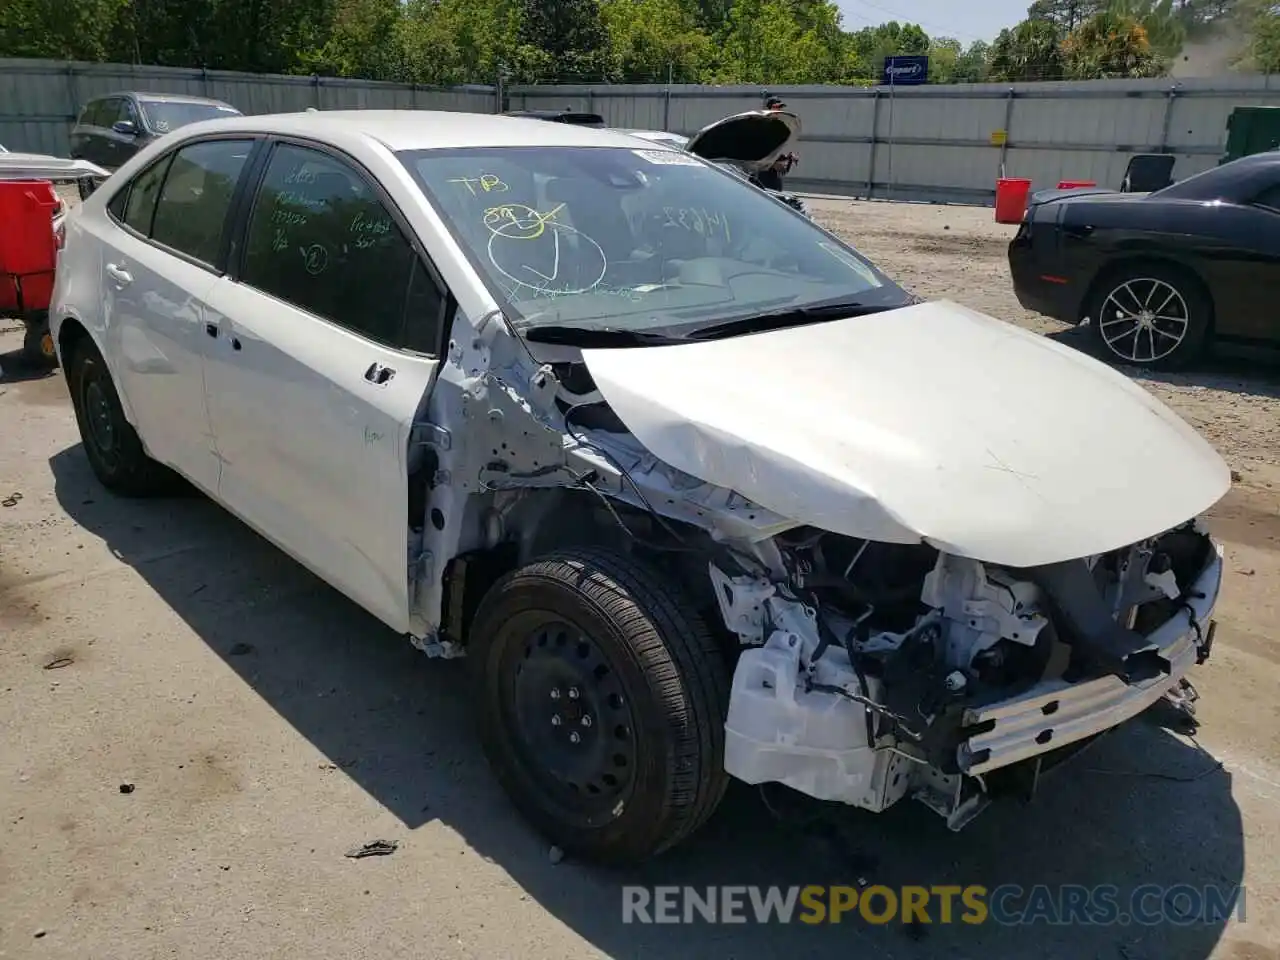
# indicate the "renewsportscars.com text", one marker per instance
pixel 1006 905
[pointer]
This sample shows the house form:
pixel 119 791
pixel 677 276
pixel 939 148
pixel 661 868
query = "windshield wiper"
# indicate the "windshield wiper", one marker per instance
pixel 793 317
pixel 597 336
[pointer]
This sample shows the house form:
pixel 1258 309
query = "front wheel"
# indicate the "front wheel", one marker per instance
pixel 602 698
pixel 1150 315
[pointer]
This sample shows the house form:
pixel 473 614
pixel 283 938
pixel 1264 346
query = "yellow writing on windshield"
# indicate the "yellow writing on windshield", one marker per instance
pixel 517 221
pixel 486 182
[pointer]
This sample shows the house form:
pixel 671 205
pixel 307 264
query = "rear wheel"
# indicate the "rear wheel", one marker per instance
pixel 1150 315
pixel 112 445
pixel 602 698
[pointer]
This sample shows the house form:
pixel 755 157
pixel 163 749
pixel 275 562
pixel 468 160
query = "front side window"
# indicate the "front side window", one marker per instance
pixel 165 116
pixel 103 113
pixel 636 239
pixel 191 213
pixel 320 238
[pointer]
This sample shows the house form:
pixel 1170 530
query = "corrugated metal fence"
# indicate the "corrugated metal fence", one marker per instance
pixel 949 143
pixel 40 99
pixel 943 143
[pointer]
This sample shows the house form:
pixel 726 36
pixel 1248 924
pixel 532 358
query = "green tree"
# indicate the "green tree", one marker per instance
pixel 58 29
pixel 571 36
pixel 458 41
pixel 872 44
pixel 1066 15
pixel 1029 51
pixel 1110 46
pixel 651 40
pixel 364 41
pixel 1166 31
pixel 1260 20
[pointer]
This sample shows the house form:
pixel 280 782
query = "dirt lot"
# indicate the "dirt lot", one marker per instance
pixel 263 726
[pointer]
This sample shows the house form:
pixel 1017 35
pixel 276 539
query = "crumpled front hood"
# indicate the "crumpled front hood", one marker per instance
pixel 932 422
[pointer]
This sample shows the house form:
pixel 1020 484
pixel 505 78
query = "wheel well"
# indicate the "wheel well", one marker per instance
pixel 69 334
pixel 1117 267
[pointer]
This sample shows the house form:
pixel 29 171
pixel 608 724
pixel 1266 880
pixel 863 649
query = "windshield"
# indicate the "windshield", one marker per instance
pixel 165 115
pixel 635 239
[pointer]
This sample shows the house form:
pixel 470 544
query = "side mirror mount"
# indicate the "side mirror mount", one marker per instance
pixel 125 127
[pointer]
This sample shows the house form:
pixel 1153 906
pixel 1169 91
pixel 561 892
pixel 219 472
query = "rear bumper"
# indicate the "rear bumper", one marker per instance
pixel 1056 714
pixel 1058 298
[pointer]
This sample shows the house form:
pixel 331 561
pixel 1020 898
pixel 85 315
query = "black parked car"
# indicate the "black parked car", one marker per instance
pixel 113 128
pixel 1159 275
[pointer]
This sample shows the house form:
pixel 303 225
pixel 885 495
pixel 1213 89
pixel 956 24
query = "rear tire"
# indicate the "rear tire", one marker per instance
pixel 1150 315
pixel 602 698
pixel 113 447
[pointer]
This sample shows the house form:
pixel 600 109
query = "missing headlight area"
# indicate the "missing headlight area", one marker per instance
pixel 881 671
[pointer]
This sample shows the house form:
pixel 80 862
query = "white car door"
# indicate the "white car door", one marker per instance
pixel 159 264
pixel 326 346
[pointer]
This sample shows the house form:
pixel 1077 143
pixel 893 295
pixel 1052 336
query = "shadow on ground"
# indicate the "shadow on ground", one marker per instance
pixel 16 368
pixel 398 725
pixel 1253 371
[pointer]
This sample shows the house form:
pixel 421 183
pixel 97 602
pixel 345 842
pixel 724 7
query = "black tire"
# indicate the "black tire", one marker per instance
pixel 112 445
pixel 649 672
pixel 37 346
pixel 1184 306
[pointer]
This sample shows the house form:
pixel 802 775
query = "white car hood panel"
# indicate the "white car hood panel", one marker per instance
pixel 932 422
pixel 34 166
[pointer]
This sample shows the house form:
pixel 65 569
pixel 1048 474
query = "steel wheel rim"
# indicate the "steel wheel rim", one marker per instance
pixel 98 418
pixel 568 719
pixel 1143 320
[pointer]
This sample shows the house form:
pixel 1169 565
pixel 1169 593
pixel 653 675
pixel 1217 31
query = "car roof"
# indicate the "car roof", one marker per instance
pixel 162 97
pixel 1236 181
pixel 421 129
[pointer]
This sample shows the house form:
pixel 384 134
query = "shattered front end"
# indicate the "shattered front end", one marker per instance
pixel 882 671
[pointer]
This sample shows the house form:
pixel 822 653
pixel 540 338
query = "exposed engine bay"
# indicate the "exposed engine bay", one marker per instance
pixel 864 671
pixel 877 671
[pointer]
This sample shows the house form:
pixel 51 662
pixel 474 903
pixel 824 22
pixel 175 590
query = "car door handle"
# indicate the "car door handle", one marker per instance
pixel 378 374
pixel 211 329
pixel 118 274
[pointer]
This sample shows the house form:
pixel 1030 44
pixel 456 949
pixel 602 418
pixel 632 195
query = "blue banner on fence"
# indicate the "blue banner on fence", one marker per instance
pixel 902 70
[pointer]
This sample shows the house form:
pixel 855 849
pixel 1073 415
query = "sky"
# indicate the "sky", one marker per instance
pixel 980 20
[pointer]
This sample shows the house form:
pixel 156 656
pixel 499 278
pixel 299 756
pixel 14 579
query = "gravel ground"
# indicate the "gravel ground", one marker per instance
pixel 196 731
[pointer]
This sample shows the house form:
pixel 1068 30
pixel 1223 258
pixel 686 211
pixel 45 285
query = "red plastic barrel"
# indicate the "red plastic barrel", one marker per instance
pixel 27 243
pixel 1072 184
pixel 1011 199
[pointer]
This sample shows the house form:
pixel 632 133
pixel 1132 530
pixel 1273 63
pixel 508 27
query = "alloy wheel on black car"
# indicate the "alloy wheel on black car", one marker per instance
pixel 1150 316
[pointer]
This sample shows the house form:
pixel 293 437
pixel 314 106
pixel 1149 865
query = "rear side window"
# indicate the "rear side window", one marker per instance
pixel 141 202
pixel 191 214
pixel 320 238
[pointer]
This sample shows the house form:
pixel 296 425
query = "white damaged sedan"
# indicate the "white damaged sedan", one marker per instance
pixel 698 491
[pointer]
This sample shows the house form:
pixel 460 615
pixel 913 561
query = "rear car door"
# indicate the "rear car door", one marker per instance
pixel 326 348
pixel 158 268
